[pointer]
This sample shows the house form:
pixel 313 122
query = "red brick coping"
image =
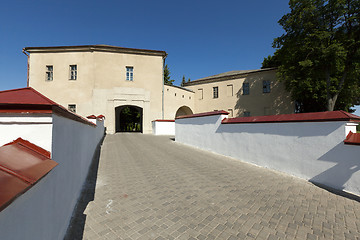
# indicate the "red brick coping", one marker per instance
pixel 352 139
pixel 297 117
pixel 205 114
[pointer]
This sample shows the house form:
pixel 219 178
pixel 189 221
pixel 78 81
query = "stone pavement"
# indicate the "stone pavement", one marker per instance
pixel 150 187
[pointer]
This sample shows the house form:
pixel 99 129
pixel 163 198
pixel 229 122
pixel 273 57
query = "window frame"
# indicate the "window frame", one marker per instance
pixel 72 107
pixel 49 74
pixel 129 73
pixel 73 72
pixel 266 86
pixel 246 88
pixel 216 92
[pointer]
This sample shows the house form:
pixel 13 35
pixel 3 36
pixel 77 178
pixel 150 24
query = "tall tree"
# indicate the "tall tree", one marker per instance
pixel 167 76
pixel 183 81
pixel 318 57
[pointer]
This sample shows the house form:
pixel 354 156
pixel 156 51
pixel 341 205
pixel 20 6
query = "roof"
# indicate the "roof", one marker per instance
pixel 91 48
pixel 297 117
pixel 22 164
pixel 182 88
pixel 227 76
pixel 205 114
pixel 352 138
pixel 28 100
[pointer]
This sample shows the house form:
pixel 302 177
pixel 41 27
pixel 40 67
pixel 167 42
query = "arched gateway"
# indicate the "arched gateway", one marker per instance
pixel 184 110
pixel 129 118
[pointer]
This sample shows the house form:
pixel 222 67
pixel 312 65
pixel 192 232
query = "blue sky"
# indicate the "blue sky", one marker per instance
pixel 202 38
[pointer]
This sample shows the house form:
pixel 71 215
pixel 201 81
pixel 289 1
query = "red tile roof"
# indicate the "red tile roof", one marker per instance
pixel 205 114
pixel 22 164
pixel 352 138
pixel 297 117
pixel 28 100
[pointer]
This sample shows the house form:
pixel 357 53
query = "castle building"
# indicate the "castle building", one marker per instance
pixel 126 85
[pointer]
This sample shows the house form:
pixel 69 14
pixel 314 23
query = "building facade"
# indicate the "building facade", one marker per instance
pixel 126 85
pixel 242 93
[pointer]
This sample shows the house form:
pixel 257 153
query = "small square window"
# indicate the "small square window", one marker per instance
pixel 49 73
pixel 246 88
pixel 266 86
pixel 129 73
pixel 72 108
pixel 200 93
pixel 73 72
pixel 230 112
pixel 229 90
pixel 246 114
pixel 215 92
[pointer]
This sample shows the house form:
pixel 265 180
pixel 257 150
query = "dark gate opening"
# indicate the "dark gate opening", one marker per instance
pixel 128 119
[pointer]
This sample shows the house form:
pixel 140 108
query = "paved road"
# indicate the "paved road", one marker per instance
pixel 150 187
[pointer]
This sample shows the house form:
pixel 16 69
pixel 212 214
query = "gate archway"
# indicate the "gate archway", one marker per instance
pixel 184 110
pixel 128 118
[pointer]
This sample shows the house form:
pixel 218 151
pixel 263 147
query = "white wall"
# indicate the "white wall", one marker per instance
pixel 311 150
pixel 163 127
pixel 35 128
pixel 45 210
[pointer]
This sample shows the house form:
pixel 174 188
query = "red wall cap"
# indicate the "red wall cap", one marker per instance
pixel 22 164
pixel 297 117
pixel 205 114
pixel 163 120
pixel 352 138
pixel 101 116
pixel 91 117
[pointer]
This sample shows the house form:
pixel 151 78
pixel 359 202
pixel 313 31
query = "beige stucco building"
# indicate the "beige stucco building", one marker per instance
pixel 242 93
pixel 109 80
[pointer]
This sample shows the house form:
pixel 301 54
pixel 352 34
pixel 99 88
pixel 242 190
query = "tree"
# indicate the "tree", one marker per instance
pixel 167 76
pixel 183 81
pixel 188 80
pixel 318 57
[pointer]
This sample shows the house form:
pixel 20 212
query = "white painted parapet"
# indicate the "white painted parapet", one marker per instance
pixel 309 146
pixel 163 127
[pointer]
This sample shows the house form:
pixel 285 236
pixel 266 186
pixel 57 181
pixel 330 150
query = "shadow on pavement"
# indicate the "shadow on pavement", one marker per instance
pixel 77 222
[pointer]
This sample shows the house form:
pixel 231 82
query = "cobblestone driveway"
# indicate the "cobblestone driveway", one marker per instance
pixel 149 187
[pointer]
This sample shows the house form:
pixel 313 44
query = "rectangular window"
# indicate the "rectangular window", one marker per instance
pixel 49 73
pixel 266 86
pixel 246 114
pixel 246 88
pixel 72 108
pixel 129 73
pixel 201 93
pixel 215 92
pixel 73 72
pixel 229 90
pixel 230 112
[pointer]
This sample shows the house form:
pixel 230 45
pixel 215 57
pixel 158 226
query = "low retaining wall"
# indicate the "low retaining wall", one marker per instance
pixel 163 127
pixel 307 146
pixel 45 210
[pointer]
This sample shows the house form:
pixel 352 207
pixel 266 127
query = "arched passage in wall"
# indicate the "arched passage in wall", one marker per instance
pixel 128 118
pixel 184 110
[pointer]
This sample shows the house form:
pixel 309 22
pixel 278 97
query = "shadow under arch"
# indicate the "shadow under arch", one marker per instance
pixel 184 110
pixel 128 118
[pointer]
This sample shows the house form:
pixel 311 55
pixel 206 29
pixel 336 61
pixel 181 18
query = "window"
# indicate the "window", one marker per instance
pixel 72 108
pixel 246 88
pixel 129 73
pixel 229 90
pixel 266 86
pixel 246 114
pixel 215 92
pixel 49 73
pixel 230 112
pixel 73 72
pixel 200 91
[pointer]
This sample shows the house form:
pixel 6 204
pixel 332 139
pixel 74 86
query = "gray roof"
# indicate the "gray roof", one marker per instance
pixel 99 47
pixel 227 76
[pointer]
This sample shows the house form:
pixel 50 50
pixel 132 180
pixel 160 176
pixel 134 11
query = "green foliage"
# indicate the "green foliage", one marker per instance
pixel 183 81
pixel 167 76
pixel 318 57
